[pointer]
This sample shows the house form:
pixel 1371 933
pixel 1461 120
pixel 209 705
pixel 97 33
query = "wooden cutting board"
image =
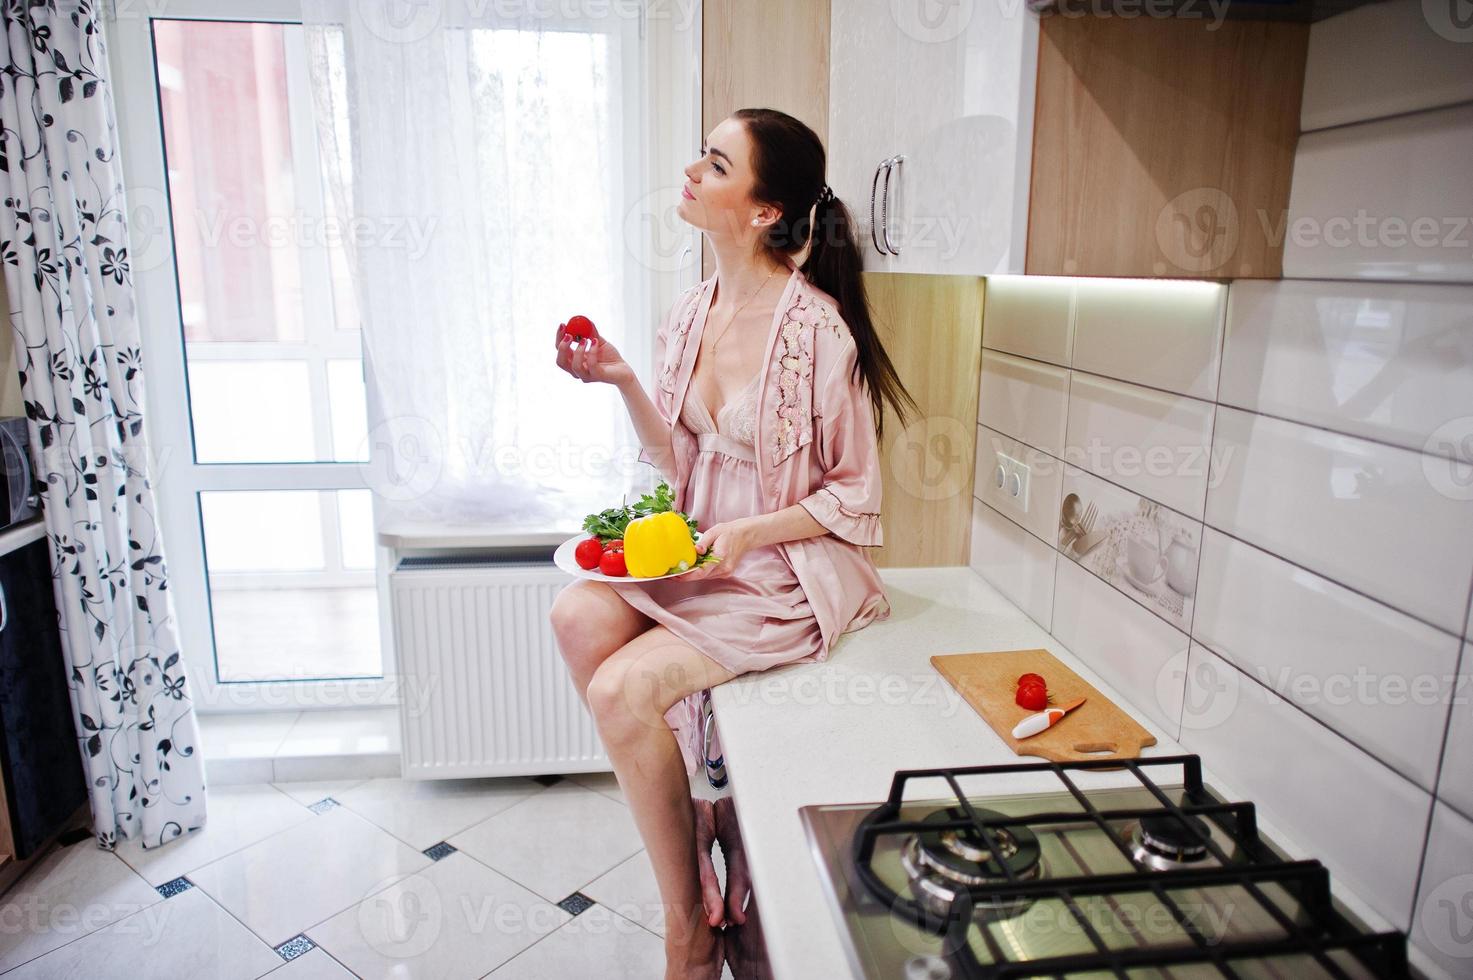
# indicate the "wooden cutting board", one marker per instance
pixel 1097 729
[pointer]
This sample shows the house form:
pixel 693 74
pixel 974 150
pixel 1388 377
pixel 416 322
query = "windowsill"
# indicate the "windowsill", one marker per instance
pixel 406 536
pixel 280 746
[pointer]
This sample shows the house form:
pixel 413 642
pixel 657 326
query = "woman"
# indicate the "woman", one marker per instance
pixel 766 418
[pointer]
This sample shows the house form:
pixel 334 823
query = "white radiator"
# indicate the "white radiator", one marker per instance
pixel 485 691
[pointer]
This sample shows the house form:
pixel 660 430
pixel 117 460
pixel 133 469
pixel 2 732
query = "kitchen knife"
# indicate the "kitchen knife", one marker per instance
pixel 1034 724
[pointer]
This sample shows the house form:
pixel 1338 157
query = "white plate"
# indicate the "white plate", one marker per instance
pixel 563 558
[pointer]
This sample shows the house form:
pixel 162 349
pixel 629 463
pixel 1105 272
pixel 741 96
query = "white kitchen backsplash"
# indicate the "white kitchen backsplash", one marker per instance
pixel 1388 361
pixel 1456 785
pixel 1038 512
pixel 1440 927
pixel 1024 399
pixel 1374 674
pixel 1020 565
pixel 1331 538
pixel 1031 316
pixel 1160 333
pixel 1341 806
pixel 1358 512
pixel 1136 651
pixel 1147 551
pixel 1153 442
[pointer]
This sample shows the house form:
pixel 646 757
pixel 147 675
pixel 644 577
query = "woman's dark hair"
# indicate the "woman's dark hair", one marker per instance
pixel 788 164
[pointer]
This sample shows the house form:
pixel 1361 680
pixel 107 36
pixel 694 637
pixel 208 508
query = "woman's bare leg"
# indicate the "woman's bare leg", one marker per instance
pixel 715 904
pixel 629 695
pixel 591 621
pixel 745 948
pixel 738 877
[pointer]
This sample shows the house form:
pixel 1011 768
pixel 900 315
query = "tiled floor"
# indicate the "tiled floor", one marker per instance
pixel 503 878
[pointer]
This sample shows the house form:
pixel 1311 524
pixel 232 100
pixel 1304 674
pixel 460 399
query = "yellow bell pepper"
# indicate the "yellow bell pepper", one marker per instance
pixel 657 544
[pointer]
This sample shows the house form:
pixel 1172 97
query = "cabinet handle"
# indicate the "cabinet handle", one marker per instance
pixel 890 164
pixel 874 190
pixel 4 610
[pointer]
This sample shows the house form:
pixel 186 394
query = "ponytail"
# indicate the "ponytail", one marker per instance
pixel 834 264
pixel 789 163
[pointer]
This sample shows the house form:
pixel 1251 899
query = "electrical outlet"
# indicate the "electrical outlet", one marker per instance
pixel 1011 477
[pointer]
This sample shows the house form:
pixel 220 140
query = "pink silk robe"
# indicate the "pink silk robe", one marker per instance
pixel 814 441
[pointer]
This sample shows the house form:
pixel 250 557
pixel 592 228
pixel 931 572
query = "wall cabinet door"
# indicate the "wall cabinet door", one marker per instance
pixel 863 77
pixel 957 110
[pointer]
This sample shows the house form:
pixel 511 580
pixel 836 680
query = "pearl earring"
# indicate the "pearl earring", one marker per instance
pixel 755 221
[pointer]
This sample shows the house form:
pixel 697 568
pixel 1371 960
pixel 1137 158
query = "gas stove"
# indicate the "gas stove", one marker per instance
pixel 1159 878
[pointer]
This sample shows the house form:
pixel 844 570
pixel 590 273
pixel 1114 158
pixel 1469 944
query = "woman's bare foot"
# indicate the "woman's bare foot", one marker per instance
pixel 705 838
pixel 738 877
pixel 702 959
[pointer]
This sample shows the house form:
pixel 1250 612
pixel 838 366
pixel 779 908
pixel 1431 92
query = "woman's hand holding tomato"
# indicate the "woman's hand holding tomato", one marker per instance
pixel 728 540
pixel 588 357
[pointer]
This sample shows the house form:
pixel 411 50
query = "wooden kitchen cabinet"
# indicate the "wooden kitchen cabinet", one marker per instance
pixel 1164 148
pixel 1066 145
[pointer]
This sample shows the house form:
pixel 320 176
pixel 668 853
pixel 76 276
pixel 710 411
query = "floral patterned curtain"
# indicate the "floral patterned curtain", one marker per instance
pixel 64 246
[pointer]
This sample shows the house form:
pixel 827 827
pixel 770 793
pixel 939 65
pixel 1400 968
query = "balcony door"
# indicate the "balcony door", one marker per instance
pixel 252 357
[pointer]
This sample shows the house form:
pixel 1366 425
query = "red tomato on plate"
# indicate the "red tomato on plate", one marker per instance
pixel 588 553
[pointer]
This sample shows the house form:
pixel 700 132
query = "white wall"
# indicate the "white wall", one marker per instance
pixel 1316 649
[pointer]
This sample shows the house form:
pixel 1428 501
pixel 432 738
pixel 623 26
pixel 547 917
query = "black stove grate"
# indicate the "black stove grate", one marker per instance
pixel 1323 932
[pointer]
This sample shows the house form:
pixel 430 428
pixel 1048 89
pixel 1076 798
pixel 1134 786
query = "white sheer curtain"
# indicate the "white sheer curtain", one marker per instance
pixel 491 163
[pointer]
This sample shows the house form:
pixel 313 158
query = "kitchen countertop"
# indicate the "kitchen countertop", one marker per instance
pixel 835 732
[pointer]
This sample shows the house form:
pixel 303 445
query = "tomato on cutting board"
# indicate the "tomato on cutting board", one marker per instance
pixel 1033 697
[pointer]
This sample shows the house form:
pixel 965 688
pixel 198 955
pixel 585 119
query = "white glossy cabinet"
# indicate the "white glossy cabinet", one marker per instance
pixel 952 98
pixel 862 85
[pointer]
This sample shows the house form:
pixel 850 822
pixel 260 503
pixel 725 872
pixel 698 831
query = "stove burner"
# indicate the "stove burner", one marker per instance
pixel 941 862
pixel 1161 841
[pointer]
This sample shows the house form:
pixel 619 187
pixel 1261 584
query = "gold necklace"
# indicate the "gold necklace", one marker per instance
pixel 739 309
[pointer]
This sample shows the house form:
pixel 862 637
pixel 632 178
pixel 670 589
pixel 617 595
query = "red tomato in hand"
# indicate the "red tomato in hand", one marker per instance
pixel 587 553
pixel 582 327
pixel 1034 697
pixel 612 562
